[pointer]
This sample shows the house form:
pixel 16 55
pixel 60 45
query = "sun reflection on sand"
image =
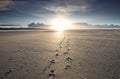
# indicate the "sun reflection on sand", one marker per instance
pixel 60 34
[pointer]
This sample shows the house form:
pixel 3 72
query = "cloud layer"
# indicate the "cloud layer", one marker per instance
pixel 90 11
pixel 69 6
pixel 78 25
pixel 6 4
pixel 34 25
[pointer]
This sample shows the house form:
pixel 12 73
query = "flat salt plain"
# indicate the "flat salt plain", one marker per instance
pixel 84 54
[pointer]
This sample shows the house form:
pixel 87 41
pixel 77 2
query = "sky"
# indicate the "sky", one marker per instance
pixel 23 12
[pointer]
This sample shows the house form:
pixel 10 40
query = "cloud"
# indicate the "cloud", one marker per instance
pixel 6 4
pixel 37 25
pixel 69 6
pixel 47 8
pixel 80 25
pixel 9 25
pixel 33 8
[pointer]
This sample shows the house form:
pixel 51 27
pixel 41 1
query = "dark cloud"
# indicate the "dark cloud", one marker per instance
pixel 37 25
pixel 2 25
pixel 6 4
pixel 80 25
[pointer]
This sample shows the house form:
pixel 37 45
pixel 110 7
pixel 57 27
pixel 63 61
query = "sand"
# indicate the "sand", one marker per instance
pixel 90 54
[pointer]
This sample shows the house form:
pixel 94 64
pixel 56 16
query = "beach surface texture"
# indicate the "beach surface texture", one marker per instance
pixel 87 54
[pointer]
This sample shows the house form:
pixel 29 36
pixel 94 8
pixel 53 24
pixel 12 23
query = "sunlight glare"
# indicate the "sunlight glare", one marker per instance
pixel 60 24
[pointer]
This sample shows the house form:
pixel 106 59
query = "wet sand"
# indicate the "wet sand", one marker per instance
pixel 87 54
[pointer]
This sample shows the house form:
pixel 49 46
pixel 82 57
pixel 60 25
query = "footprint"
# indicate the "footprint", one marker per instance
pixel 60 47
pixel 67 67
pixel 26 70
pixel 68 49
pixel 52 61
pixel 51 74
pixel 65 53
pixel 52 71
pixel 8 72
pixel 57 54
pixel 69 59
pixel 10 59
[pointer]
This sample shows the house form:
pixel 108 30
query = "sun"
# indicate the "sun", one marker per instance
pixel 60 24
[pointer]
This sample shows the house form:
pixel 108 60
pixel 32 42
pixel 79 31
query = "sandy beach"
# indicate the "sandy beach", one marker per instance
pixel 87 54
